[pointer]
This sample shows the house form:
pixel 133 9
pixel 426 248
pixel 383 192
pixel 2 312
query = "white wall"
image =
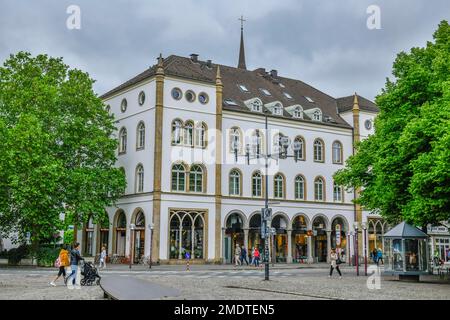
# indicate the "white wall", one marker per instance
pixel 290 168
pixel 130 120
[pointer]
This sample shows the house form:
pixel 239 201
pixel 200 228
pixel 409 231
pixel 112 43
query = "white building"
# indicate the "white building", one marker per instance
pixel 183 178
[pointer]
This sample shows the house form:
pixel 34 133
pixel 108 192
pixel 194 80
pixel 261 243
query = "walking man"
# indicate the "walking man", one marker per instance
pixel 244 256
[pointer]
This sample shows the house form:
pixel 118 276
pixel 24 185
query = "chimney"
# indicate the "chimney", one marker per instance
pixel 261 71
pixel 194 57
pixel 273 73
pixel 209 63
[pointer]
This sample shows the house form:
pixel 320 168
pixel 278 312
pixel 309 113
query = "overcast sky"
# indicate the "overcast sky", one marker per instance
pixel 324 43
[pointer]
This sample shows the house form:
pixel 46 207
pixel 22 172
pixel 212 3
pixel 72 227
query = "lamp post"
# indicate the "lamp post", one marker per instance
pixel 132 227
pixel 356 226
pixel 364 227
pixel 150 226
pixel 266 212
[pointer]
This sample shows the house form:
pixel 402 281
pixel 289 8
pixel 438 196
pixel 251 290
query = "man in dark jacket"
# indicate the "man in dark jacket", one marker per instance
pixel 244 256
pixel 75 258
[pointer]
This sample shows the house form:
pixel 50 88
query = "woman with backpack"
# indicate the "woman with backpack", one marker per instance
pixel 61 263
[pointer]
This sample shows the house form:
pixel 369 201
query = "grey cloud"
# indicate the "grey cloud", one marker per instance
pixel 324 43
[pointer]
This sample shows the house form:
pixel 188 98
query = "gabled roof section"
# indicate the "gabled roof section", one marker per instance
pixel 346 104
pixel 205 72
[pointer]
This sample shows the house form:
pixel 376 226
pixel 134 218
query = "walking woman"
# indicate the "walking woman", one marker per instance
pixel 334 263
pixel 63 261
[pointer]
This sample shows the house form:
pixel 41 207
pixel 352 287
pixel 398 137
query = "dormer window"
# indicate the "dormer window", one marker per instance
pixel 265 91
pixel 256 106
pixel 282 85
pixel 277 110
pixel 317 115
pixel 243 88
pixel 287 95
pixel 275 107
pixel 298 113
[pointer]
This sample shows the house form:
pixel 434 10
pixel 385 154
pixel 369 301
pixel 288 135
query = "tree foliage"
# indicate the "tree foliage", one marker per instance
pixel 404 168
pixel 57 148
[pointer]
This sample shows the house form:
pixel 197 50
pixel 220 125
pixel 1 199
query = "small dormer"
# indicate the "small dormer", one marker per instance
pixel 296 111
pixel 315 114
pixel 254 104
pixel 275 107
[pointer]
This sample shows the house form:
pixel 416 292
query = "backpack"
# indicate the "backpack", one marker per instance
pixel 57 263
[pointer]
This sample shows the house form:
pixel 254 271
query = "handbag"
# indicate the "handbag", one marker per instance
pixel 338 261
pixel 57 263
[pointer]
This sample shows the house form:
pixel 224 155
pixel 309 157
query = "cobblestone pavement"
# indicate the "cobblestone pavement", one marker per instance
pixel 226 283
pixel 34 285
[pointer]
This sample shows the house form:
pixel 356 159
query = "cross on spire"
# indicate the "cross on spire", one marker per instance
pixel 242 22
pixel 241 63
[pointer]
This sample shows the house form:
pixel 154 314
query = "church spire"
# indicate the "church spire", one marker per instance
pixel 241 63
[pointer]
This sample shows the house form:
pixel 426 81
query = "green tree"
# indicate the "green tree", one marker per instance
pixel 404 168
pixel 58 148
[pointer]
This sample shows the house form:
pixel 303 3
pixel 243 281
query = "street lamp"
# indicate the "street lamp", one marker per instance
pixel 266 212
pixel 150 226
pixel 356 226
pixel 132 227
pixel 364 226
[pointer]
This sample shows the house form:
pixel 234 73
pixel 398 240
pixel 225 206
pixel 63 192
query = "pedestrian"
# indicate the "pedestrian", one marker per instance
pixel 244 256
pixel 75 258
pixel 380 256
pixel 448 255
pixel 102 258
pixel 375 255
pixel 335 261
pixel 256 257
pixel 61 263
pixel 237 255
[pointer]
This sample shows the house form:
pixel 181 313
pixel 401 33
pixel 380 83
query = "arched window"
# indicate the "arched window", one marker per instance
pixel 301 153
pixel 235 182
pixel 196 179
pixel 278 186
pixel 200 135
pixel 337 193
pixel 277 109
pixel 318 150
pixel 139 178
pixel 298 113
pixel 257 142
pixel 187 234
pixel 319 187
pixel 123 141
pixel 257 184
pixel 189 133
pixel 337 152
pixel 177 127
pixel 235 139
pixel 256 106
pixel 317 115
pixel 299 187
pixel 140 139
pixel 178 178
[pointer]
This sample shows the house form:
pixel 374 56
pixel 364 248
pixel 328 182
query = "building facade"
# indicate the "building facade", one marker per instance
pixel 184 127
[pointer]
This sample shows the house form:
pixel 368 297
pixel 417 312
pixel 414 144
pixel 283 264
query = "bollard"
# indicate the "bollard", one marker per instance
pixel 187 256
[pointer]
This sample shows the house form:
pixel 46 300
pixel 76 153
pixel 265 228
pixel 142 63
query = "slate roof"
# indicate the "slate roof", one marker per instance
pixel 255 80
